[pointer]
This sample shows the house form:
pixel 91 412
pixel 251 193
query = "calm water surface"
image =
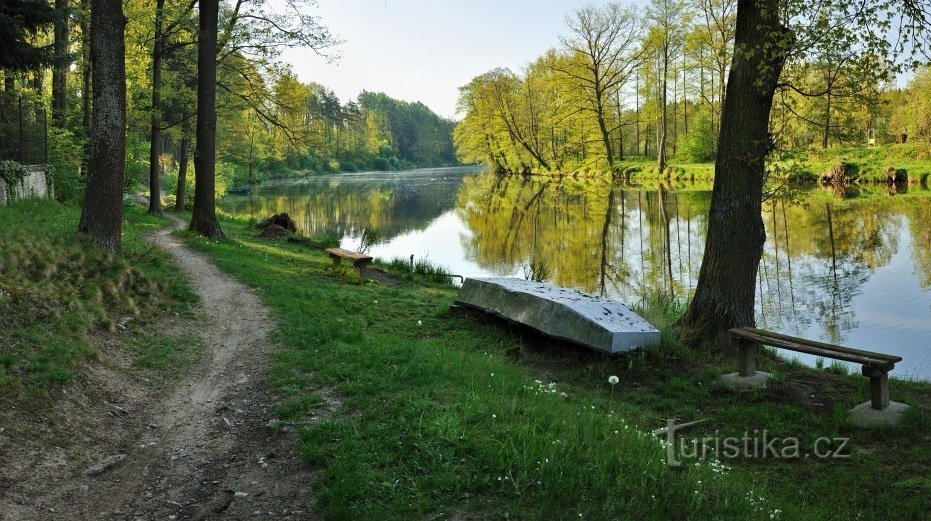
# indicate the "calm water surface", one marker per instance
pixel 861 277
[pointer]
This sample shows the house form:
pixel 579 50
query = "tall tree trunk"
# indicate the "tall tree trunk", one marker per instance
pixel 664 122
pixel 103 202
pixel 724 296
pixel 182 172
pixel 87 74
pixel 637 110
pixel 605 136
pixel 827 122
pixel 62 62
pixel 204 218
pixel 155 189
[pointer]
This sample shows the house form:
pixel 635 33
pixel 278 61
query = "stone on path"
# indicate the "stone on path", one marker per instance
pixel 104 465
pixel 563 313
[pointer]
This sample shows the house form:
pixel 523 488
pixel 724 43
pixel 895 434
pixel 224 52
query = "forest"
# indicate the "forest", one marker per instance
pixel 270 124
pixel 627 84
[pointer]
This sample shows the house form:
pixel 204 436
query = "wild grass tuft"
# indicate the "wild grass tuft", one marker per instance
pixel 54 288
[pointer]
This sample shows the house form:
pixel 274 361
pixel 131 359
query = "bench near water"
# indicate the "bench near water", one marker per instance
pixel 359 260
pixel 876 366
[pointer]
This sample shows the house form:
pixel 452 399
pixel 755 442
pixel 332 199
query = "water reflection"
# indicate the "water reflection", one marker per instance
pixel 853 270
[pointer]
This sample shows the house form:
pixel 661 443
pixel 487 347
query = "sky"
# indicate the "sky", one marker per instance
pixel 424 50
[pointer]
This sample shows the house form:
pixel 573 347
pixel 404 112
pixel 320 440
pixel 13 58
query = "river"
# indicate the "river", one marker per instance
pixel 851 269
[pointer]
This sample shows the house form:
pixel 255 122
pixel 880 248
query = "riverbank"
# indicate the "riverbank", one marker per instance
pixel 409 412
pixel 887 164
pixel 426 414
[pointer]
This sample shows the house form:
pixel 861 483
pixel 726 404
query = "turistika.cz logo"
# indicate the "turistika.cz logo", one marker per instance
pixel 758 444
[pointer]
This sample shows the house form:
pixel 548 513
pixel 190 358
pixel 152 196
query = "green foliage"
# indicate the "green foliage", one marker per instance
pixel 370 236
pixel 12 174
pixel 64 157
pixel 421 269
pixel 701 143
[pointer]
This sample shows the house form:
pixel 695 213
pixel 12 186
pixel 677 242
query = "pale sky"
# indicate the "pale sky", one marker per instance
pixel 424 50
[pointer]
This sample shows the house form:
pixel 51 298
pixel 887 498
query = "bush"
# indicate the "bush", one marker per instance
pixel 701 144
pixel 65 151
pixel 381 163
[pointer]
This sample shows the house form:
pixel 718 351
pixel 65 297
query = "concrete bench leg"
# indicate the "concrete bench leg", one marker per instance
pixel 879 387
pixel 747 358
pixel 879 410
pixel 747 376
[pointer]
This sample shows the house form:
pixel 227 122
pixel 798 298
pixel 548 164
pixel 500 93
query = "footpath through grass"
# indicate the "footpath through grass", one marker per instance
pixel 413 413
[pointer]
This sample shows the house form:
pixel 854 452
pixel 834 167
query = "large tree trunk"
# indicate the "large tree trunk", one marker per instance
pixel 664 122
pixel 603 127
pixel 182 173
pixel 86 79
pixel 62 62
pixel 204 218
pixel 155 189
pixel 103 201
pixel 724 297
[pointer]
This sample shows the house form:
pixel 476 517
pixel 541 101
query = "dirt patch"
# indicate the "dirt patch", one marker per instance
pixel 205 448
pixel 273 233
pixel 381 277
pixel 279 219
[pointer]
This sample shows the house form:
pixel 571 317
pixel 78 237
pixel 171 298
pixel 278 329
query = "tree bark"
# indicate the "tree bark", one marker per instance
pixel 664 122
pixel 62 62
pixel 204 218
pixel 725 293
pixel 182 173
pixel 155 189
pixel 86 79
pixel 102 216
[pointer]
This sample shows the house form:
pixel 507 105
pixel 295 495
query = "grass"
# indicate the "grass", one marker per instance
pixel 422 269
pixel 56 289
pixel 413 413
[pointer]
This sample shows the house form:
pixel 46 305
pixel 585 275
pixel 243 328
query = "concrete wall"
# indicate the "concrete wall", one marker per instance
pixel 33 185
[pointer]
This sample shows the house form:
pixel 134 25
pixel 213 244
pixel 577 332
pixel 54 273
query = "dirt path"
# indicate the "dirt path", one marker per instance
pixel 204 451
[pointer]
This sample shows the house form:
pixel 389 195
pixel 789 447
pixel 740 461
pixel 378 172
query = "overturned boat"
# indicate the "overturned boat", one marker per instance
pixel 563 313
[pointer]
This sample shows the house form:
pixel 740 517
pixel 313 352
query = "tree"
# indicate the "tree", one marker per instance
pixel 764 41
pixel 20 20
pixel 667 38
pixel 254 34
pixel 204 217
pixel 608 44
pixel 102 216
pixel 62 62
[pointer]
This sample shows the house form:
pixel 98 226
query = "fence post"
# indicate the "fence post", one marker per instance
pixel 22 142
pixel 45 133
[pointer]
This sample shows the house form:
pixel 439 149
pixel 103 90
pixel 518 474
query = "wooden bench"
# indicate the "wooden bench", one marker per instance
pixel 876 366
pixel 359 261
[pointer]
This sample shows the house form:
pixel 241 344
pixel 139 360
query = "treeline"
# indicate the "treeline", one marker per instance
pixel 373 132
pixel 651 83
pixel 268 123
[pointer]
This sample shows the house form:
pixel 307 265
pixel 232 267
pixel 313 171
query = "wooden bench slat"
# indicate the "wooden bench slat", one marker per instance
pixel 827 353
pixel 346 254
pixel 821 345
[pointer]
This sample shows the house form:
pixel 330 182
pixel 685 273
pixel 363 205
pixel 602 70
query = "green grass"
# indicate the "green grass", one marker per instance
pixel 56 289
pixel 413 413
